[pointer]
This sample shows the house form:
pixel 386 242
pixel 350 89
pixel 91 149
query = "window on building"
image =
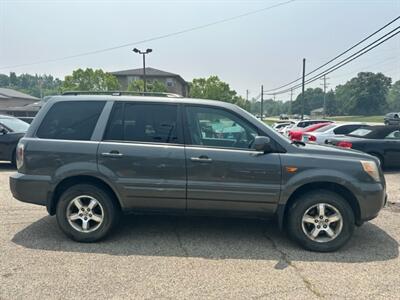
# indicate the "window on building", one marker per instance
pixel 170 82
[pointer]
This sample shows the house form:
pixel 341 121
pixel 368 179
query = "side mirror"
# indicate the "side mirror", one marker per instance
pixel 262 143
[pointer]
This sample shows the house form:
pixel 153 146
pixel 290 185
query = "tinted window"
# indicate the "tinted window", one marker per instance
pixel 219 128
pixel 139 122
pixel 346 129
pixel 72 120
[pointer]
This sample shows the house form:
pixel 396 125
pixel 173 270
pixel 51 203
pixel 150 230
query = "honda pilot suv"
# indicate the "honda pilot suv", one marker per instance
pixel 89 158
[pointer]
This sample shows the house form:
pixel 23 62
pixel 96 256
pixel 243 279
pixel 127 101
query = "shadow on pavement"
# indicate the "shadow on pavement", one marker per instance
pixel 210 238
pixel 6 167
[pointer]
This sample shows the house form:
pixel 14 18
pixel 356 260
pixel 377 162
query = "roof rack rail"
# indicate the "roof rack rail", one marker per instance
pixel 121 93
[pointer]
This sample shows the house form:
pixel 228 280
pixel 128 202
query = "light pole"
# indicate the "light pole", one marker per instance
pixel 136 50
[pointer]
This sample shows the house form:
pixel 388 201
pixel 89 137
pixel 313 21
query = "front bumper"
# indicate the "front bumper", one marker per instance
pixel 30 188
pixel 372 199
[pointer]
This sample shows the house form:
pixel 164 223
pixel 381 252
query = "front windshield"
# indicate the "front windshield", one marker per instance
pixel 325 128
pixel 360 132
pixel 16 125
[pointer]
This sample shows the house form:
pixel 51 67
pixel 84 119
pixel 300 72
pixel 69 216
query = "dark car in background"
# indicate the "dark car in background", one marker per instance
pixel 392 118
pixel 380 141
pixel 11 131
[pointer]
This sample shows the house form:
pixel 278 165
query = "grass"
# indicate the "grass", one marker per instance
pixel 375 119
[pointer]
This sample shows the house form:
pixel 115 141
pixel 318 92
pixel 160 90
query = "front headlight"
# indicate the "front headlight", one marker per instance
pixel 371 168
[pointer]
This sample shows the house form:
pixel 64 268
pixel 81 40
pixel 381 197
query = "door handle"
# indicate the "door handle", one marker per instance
pixel 202 158
pixel 114 154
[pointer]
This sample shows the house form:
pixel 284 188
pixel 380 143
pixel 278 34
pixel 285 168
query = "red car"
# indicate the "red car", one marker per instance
pixel 297 135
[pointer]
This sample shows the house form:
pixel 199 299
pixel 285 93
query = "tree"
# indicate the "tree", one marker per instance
pixel 393 98
pixel 331 104
pixel 4 80
pixel 313 98
pixel 13 79
pixel 213 88
pixel 35 85
pixel 364 94
pixel 155 86
pixel 90 80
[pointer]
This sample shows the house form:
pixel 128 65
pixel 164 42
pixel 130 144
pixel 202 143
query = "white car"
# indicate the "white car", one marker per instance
pixel 280 126
pixel 321 135
pixel 301 124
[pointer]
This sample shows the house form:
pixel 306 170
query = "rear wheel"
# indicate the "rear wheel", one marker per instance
pixel 321 221
pixel 86 213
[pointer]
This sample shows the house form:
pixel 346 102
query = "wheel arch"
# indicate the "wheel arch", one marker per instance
pixel 67 182
pixel 320 185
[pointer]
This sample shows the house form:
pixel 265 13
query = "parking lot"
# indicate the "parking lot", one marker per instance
pixel 159 257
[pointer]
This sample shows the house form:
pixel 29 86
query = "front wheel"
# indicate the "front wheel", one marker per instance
pixel 86 213
pixel 321 221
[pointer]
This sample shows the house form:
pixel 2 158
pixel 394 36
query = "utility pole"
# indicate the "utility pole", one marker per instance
pixel 143 53
pixel 274 97
pixel 325 86
pixel 262 102
pixel 41 88
pixel 247 95
pixel 302 88
pixel 290 103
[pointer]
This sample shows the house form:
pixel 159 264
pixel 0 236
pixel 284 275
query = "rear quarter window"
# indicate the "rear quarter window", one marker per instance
pixel 70 120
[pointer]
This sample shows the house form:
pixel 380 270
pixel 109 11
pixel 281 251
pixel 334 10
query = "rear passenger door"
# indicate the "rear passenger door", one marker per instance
pixel 143 154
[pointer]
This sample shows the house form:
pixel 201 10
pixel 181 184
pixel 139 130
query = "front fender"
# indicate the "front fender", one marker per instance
pixel 294 182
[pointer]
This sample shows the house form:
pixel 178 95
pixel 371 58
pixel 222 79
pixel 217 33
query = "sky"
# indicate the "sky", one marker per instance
pixel 264 48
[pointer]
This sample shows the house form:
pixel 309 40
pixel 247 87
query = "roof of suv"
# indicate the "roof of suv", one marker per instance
pixel 141 99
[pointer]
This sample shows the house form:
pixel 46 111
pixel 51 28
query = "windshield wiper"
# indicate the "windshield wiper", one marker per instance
pixel 298 143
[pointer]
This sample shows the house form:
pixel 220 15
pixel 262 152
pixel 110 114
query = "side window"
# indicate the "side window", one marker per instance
pixel 394 135
pixel 346 129
pixel 137 122
pixel 71 120
pixel 218 128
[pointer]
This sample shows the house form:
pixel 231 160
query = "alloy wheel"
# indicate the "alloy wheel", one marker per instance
pixel 85 213
pixel 322 223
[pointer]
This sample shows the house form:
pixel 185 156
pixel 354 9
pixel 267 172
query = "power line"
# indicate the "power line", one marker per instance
pixel 345 61
pixel 383 62
pixel 153 38
pixel 337 56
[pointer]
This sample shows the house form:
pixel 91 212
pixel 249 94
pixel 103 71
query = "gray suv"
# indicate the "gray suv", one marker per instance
pixel 89 158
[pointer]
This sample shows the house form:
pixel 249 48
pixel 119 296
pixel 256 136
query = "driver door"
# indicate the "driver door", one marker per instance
pixel 223 171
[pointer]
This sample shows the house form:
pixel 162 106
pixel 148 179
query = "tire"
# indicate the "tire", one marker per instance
pixel 323 242
pixel 105 209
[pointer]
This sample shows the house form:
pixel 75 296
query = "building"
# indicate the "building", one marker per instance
pixel 12 98
pixel 318 112
pixel 18 104
pixel 173 82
